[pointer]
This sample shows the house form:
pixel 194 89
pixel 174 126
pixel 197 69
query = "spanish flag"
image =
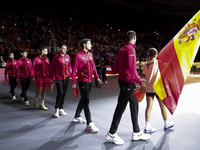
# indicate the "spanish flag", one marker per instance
pixel 175 61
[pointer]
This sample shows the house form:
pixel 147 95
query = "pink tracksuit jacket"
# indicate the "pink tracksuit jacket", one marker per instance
pixel 10 69
pixel 126 64
pixel 60 67
pixel 84 67
pixel 41 66
pixel 24 68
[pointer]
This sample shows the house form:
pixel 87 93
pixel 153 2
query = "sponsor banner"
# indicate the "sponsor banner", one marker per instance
pixel 111 69
pixel 2 78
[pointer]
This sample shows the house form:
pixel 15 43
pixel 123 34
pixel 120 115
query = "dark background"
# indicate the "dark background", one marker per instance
pixel 139 15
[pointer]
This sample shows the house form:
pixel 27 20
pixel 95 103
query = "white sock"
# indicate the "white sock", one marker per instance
pixel 165 122
pixel 148 124
pixel 42 102
pixel 36 99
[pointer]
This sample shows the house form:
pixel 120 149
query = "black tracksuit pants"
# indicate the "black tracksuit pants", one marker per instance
pixel 125 96
pixel 25 83
pixel 13 84
pixel 62 86
pixel 85 88
pixel 104 78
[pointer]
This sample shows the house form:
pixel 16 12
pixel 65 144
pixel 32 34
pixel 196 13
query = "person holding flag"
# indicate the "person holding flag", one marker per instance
pixel 10 70
pixel 126 65
pixel 151 73
pixel 24 73
pixel 60 70
pixel 41 68
pixel 84 67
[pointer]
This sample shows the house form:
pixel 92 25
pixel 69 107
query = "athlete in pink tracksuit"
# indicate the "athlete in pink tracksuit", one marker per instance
pixel 24 72
pixel 84 67
pixel 61 69
pixel 41 68
pixel 10 70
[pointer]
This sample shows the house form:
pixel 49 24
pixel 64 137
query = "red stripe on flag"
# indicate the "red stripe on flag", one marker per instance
pixel 171 74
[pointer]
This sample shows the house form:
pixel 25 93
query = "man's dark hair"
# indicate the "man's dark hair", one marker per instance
pixel 63 45
pixel 11 53
pixel 84 41
pixel 129 35
pixel 43 48
pixel 23 50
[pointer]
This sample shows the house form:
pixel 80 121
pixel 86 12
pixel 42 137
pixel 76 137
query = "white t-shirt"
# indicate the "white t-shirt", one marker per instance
pixel 151 71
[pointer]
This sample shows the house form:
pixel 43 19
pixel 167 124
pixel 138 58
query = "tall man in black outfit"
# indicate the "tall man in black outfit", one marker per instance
pixel 126 65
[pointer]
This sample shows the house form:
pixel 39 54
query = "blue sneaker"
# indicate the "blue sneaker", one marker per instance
pixel 169 125
pixel 149 129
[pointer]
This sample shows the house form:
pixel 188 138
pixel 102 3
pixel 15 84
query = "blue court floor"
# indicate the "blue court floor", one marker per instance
pixel 26 128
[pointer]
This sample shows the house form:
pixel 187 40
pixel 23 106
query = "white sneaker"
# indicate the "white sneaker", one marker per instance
pixel 149 129
pixel 14 97
pixel 169 125
pixel 26 103
pixel 62 112
pixel 140 136
pixel 56 115
pixel 114 138
pixel 91 127
pixel 79 120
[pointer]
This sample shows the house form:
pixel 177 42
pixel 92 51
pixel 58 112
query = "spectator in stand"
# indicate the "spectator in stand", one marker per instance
pixel 138 65
pixel 1 39
pixel 141 63
pixel 103 66
pixel 1 59
pixel 97 61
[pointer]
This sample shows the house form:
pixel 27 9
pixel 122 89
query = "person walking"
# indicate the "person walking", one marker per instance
pixel 126 65
pixel 97 62
pixel 84 67
pixel 61 70
pixel 10 71
pixel 151 72
pixel 41 68
pixel 24 73
pixel 103 66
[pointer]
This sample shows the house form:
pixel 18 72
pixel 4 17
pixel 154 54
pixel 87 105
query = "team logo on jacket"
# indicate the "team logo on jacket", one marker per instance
pixel 132 55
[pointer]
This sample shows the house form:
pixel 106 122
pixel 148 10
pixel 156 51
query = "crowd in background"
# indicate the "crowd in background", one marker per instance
pixel 33 30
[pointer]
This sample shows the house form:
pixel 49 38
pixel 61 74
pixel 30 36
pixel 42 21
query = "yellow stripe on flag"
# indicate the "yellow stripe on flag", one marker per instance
pixel 159 88
pixel 187 43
